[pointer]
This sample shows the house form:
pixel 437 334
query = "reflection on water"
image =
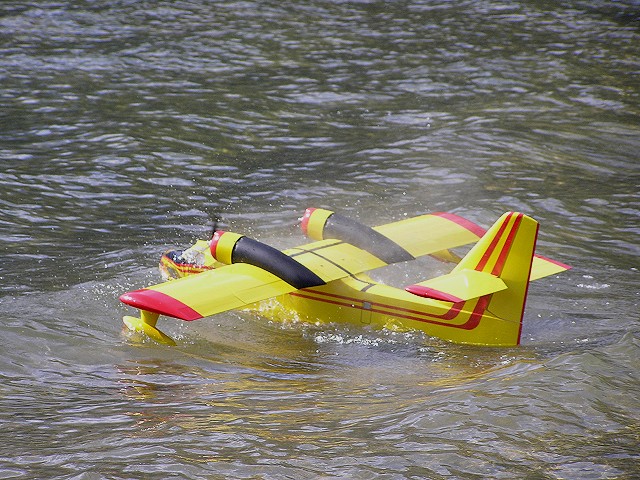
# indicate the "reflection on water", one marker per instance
pixel 126 127
pixel 326 402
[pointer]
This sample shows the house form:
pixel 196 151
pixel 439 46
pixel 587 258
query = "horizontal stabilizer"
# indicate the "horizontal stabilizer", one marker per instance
pixel 458 286
pixel 543 267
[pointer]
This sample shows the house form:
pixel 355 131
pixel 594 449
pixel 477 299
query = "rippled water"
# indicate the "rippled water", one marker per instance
pixel 126 127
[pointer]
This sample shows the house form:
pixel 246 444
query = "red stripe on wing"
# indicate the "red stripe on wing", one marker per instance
pixel 157 302
pixel 463 222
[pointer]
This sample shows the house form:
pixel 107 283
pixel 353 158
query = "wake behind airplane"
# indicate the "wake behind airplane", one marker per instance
pixel 480 302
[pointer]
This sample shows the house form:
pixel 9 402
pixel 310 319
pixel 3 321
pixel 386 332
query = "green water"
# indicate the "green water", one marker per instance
pixel 126 127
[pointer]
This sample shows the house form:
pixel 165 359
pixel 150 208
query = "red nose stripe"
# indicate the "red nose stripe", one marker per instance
pixel 157 302
pixel 213 246
pixel 304 225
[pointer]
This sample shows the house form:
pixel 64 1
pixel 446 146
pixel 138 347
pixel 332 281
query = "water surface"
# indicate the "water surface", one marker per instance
pixel 126 127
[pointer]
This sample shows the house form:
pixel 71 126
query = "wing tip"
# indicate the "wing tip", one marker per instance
pixel 158 302
pixel 463 222
pixel 564 266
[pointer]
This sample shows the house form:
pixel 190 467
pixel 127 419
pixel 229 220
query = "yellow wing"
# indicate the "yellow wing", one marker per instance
pixel 214 291
pixel 428 234
pixel 435 233
pixel 398 241
pixel 240 284
pixel 333 259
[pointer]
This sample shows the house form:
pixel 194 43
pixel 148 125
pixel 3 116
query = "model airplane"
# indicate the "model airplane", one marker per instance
pixel 480 302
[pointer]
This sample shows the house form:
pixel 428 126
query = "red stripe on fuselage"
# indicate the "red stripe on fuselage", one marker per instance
pixel 157 302
pixel 351 302
pixel 403 313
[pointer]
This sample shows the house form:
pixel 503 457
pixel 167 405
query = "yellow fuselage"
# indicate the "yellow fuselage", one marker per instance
pixel 361 301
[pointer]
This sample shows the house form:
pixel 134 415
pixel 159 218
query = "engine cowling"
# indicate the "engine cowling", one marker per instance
pixel 229 247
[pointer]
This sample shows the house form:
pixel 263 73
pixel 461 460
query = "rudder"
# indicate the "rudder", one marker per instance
pixel 506 251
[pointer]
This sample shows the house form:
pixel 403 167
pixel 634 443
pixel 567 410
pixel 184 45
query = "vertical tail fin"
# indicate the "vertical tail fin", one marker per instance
pixel 506 251
pixel 492 279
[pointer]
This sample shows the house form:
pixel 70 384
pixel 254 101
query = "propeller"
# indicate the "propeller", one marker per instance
pixel 215 223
